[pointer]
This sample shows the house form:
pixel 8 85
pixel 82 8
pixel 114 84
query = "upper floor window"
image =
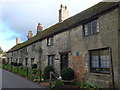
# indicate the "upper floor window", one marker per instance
pixel 33 47
pixel 100 61
pixel 49 41
pixel 91 27
pixel 20 60
pixel 26 51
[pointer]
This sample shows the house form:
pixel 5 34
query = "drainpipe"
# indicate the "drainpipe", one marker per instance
pixel 112 71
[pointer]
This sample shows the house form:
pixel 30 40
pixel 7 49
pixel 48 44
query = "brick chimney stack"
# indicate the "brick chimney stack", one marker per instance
pixel 17 40
pixel 29 34
pixel 63 13
pixel 39 28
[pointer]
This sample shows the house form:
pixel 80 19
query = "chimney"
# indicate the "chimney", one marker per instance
pixel 29 34
pixel 17 40
pixel 63 13
pixel 39 28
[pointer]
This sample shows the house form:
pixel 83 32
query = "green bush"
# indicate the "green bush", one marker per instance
pixel 89 86
pixel 34 71
pixel 21 67
pixel 12 63
pixel 19 64
pixel 15 64
pixel 57 84
pixel 67 73
pixel 47 71
pixel 3 61
pixel 34 66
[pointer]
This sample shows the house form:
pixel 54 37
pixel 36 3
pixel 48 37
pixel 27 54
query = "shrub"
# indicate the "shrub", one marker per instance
pixel 3 61
pixel 12 63
pixel 21 67
pixel 15 64
pixel 34 66
pixel 57 84
pixel 67 73
pixel 34 71
pixel 47 70
pixel 89 86
pixel 19 64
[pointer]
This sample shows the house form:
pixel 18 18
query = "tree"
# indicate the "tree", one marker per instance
pixel 1 51
pixel 4 53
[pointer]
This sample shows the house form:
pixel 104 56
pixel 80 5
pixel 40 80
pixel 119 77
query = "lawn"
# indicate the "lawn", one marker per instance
pixel 21 71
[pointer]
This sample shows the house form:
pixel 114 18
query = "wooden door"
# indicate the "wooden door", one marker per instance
pixel 64 60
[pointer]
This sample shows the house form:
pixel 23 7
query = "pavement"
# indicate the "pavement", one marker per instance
pixel 11 80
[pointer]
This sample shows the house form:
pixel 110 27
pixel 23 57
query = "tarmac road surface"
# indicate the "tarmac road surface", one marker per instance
pixel 11 80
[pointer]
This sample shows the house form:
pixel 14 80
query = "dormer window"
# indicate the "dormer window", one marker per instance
pixel 49 41
pixel 91 27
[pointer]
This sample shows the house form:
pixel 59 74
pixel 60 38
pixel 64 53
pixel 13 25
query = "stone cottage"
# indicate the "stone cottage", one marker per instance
pixel 88 42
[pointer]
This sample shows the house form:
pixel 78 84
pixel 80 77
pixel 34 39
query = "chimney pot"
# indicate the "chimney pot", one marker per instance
pixel 63 13
pixel 17 40
pixel 39 28
pixel 29 34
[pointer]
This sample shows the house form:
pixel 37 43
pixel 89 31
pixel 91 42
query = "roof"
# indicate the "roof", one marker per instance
pixel 60 27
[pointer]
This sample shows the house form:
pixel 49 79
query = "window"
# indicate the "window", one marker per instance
pixel 11 59
pixel 8 61
pixel 32 61
pixel 100 61
pixel 20 61
pixel 49 41
pixel 17 52
pixel 91 27
pixel 16 60
pixel 12 53
pixel 26 52
pixel 50 60
pixel 33 47
pixel 26 61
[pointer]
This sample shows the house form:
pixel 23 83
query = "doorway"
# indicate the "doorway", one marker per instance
pixel 63 60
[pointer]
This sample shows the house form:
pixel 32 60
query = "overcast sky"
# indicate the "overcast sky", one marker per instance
pixel 19 16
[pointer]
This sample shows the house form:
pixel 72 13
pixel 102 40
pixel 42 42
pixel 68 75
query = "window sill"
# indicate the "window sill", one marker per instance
pixel 100 74
pixel 91 34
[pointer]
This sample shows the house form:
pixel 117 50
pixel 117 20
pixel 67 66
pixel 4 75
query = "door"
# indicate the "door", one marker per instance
pixel 64 60
pixel 26 61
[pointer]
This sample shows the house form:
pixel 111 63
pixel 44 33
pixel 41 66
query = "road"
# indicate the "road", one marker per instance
pixel 11 80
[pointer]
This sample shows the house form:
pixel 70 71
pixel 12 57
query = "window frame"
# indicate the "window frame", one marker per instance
pixel 50 41
pixel 90 24
pixel 33 47
pixel 32 61
pixel 53 58
pixel 26 61
pixel 101 69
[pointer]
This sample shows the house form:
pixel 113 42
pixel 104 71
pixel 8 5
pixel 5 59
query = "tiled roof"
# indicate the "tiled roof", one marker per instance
pixel 60 27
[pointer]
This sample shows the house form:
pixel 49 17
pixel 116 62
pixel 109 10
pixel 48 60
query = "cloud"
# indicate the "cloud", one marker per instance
pixel 20 16
pixel 6 33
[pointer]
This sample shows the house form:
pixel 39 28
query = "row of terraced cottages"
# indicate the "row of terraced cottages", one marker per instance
pixel 88 42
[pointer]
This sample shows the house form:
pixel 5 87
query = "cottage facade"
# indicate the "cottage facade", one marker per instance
pixel 87 42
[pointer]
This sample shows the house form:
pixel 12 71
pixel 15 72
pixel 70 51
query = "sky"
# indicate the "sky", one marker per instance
pixel 17 17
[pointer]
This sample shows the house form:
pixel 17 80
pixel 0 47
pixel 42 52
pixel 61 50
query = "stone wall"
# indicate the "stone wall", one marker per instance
pixel 119 45
pixel 60 44
pixel 77 46
pixel 107 37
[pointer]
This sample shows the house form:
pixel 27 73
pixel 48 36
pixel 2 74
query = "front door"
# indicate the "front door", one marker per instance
pixel 26 61
pixel 64 60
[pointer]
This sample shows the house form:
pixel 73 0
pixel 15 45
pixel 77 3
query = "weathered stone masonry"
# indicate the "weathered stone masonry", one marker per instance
pixel 69 43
